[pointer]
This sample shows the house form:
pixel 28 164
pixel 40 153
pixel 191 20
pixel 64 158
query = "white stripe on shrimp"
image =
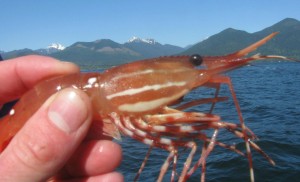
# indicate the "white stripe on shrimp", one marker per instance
pixel 134 91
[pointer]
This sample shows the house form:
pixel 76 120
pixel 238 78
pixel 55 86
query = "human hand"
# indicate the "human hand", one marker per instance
pixel 50 144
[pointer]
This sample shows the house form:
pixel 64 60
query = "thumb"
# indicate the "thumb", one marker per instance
pixel 48 139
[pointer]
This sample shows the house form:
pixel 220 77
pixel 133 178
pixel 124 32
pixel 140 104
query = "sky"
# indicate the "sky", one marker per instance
pixel 36 24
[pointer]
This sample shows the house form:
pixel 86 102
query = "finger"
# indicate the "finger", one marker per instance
pixel 113 176
pixel 48 139
pixel 94 158
pixel 22 73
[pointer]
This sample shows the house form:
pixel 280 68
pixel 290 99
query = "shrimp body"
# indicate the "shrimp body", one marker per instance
pixel 134 99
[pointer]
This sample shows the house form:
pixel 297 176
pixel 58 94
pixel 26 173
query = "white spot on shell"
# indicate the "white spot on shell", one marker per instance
pixel 159 128
pixel 148 141
pixel 58 88
pixel 141 133
pixel 12 112
pixel 186 128
pixel 165 141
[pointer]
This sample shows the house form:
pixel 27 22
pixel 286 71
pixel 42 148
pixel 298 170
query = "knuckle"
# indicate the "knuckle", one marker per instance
pixel 33 152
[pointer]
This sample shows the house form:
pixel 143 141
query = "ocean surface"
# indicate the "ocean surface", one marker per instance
pixel 269 96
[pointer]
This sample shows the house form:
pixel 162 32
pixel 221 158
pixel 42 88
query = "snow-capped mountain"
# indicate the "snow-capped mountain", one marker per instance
pixel 52 48
pixel 56 46
pixel 137 39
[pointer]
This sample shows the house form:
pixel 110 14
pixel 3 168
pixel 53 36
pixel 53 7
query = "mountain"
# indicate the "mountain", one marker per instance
pixel 99 52
pixel 103 51
pixel 139 40
pixel 222 43
pixel 52 48
pixel 286 43
pixel 17 53
pixel 108 52
pixel 150 48
pixel 56 46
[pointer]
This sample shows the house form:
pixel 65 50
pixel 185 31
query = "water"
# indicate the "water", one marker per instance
pixel 269 97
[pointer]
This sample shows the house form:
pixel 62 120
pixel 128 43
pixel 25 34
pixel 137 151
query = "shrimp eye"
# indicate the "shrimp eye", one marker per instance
pixel 196 59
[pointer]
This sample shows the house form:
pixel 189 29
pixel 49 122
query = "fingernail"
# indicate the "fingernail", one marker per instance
pixel 67 111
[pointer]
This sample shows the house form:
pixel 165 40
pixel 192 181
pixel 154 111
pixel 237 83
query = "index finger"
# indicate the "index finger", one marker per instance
pixel 21 74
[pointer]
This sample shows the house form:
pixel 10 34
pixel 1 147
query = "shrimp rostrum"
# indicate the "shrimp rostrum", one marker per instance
pixel 134 99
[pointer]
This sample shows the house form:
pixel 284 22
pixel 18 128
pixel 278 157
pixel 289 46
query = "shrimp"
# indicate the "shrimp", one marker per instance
pixel 135 100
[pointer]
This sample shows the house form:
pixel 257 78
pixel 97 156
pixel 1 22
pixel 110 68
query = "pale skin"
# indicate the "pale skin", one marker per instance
pixel 51 144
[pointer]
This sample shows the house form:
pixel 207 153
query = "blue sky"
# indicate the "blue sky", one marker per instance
pixel 37 23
